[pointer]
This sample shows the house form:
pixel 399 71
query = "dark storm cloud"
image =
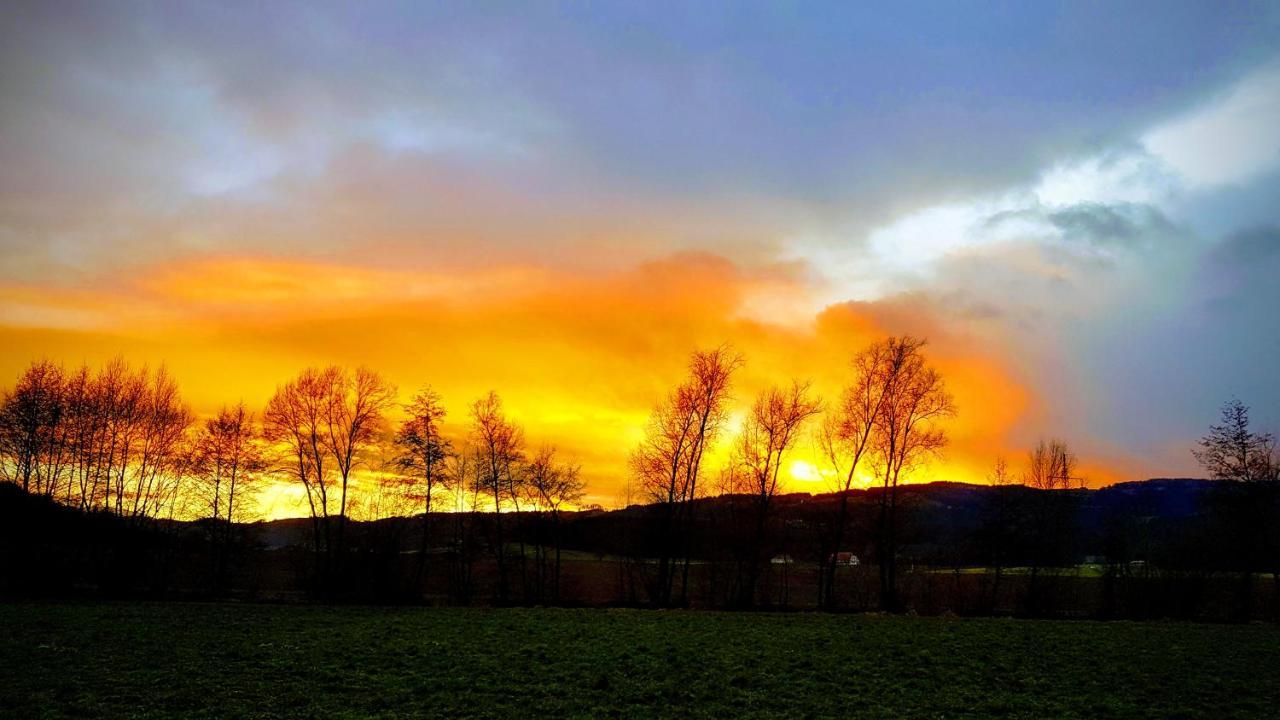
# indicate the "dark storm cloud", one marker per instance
pixel 1121 225
pixel 1248 251
pixel 1241 281
pixel 1124 225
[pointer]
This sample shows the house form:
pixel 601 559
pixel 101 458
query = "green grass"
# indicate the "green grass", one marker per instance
pixel 251 661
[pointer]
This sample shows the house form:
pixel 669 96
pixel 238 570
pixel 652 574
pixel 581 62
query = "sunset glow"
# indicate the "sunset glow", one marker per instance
pixel 499 229
pixel 578 359
pixel 701 359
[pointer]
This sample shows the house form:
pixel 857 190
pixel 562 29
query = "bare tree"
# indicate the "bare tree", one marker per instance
pixel 353 417
pixel 229 462
pixel 89 408
pixel 657 464
pixel 552 484
pixel 499 444
pixel 295 422
pixel 668 461
pixel 1267 460
pixel 32 429
pixel 469 489
pixel 1051 469
pixel 84 420
pixel 908 432
pixel 846 438
pixel 1051 466
pixel 327 414
pixel 119 438
pixel 112 440
pixel 998 530
pixel 229 459
pixel 1233 451
pixel 159 459
pixel 422 455
pixel 769 432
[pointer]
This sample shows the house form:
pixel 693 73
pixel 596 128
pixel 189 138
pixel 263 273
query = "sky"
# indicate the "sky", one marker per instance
pixel 1077 204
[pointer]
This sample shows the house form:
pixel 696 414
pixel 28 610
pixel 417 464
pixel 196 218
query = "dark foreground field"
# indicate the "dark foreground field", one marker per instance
pixel 229 661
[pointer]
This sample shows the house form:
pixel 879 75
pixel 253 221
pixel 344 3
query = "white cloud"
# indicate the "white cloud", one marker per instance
pixel 913 242
pixel 914 245
pixel 1233 139
pixel 1113 177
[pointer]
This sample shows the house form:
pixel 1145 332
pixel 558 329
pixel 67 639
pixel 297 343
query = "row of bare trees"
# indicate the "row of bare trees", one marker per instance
pixel 1040 528
pixel 887 422
pixel 111 439
pixel 122 440
pixel 1041 524
pixel 329 421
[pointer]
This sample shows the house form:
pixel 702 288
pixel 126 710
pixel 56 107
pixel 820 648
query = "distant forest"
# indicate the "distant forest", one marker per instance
pixel 113 488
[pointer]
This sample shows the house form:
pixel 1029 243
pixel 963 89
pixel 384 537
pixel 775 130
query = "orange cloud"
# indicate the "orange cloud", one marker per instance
pixel 579 359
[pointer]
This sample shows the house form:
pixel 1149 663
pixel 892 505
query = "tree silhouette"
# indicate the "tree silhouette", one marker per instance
pixel 1232 451
pixel 31 416
pixel 229 462
pixel 295 423
pixel 907 433
pixel 551 485
pixel 352 420
pixel 422 457
pixel 847 436
pixel 769 432
pixel 118 441
pixel 668 462
pixel 500 449
pixel 999 525
pixel 1051 469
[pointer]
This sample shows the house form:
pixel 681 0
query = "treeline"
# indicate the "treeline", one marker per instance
pixel 1154 549
pixel 887 422
pixel 120 443
pixel 114 439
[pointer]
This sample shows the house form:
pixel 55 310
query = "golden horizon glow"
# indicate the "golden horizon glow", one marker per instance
pixel 579 359
pixel 561 206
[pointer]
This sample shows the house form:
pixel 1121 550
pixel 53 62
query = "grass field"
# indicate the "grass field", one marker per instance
pixel 248 661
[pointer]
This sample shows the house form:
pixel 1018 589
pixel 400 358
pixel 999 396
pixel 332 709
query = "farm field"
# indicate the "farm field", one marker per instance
pixel 159 660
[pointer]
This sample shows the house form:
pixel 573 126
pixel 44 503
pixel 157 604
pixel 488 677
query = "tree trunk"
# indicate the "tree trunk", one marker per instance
pixel 500 548
pixel 424 546
pixel 556 586
pixel 828 600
